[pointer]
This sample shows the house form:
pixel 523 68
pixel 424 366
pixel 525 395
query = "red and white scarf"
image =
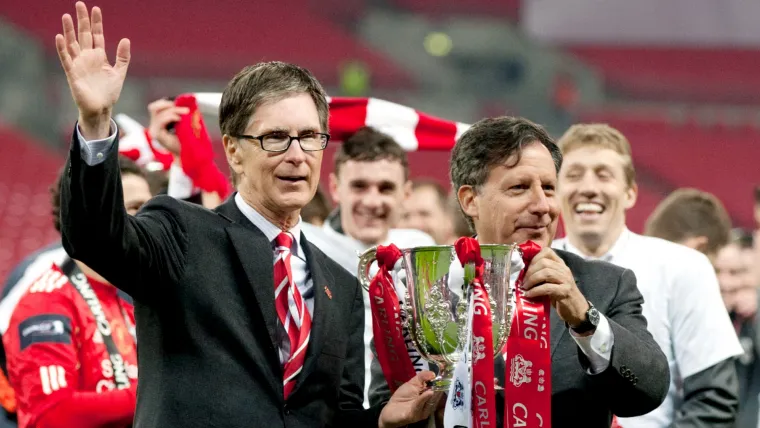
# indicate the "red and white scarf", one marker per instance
pixel 412 129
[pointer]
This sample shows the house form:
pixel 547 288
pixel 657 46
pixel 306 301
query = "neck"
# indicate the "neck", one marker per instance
pixel 593 245
pixel 285 220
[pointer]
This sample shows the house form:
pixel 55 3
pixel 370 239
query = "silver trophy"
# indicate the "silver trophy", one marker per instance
pixel 434 309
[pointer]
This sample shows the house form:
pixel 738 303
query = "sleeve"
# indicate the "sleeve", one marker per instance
pixel 638 371
pixel 597 347
pixel 95 151
pixel 710 398
pixel 701 329
pixel 133 253
pixel 351 411
pixel 43 368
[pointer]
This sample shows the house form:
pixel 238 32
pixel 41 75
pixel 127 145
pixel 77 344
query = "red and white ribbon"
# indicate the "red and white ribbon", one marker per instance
pixel 528 388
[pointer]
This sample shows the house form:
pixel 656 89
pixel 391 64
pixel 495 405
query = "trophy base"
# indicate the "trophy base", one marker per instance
pixel 442 382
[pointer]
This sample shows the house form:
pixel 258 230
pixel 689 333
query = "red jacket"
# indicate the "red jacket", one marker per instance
pixel 57 362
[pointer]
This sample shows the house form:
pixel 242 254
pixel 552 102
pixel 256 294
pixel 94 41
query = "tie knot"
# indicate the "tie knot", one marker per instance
pixel 284 239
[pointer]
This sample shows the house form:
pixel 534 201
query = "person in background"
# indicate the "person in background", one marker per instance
pixel 735 268
pixel 692 218
pixel 426 209
pixel 682 303
pixel 317 210
pixel 66 368
pixel 369 184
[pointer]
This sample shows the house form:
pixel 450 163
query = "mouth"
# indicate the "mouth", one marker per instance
pixel 292 178
pixel 369 220
pixel 589 210
pixel 534 228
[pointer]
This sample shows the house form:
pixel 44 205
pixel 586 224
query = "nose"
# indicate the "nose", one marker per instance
pixel 587 187
pixel 373 198
pixel 539 202
pixel 295 153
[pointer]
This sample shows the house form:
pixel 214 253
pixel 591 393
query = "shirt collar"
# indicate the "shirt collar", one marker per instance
pixel 268 228
pixel 615 251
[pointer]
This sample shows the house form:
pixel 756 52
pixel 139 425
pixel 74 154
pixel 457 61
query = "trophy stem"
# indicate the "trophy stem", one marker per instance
pixel 443 380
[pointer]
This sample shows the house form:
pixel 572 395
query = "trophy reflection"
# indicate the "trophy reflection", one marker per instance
pixel 435 305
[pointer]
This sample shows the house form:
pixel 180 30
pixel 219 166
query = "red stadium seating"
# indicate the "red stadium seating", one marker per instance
pixel 26 172
pixel 681 74
pixel 215 39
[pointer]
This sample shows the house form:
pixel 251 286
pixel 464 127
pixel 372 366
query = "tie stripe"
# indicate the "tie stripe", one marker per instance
pixel 291 311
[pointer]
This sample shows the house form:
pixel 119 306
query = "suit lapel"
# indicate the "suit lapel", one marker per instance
pixel 323 315
pixel 252 247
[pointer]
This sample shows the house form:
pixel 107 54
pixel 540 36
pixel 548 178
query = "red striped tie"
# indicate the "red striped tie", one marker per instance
pixel 291 310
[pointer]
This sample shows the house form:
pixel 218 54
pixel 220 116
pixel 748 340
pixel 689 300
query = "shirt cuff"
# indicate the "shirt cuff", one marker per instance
pixel 597 347
pixel 94 152
pixel 180 185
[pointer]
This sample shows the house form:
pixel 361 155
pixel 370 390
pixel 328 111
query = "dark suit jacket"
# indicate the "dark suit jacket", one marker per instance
pixel 637 378
pixel 204 301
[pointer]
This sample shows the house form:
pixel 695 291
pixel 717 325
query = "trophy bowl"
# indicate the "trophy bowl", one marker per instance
pixel 435 305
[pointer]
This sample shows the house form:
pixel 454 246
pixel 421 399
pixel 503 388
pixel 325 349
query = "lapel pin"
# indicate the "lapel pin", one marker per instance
pixel 328 292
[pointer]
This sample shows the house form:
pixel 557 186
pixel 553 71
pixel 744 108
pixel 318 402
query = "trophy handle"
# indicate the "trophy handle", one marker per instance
pixel 365 261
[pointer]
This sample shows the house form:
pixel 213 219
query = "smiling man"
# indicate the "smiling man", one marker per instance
pixel 369 184
pixel 682 301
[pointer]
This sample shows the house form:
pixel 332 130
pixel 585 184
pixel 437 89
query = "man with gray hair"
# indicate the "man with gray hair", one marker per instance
pixel 242 321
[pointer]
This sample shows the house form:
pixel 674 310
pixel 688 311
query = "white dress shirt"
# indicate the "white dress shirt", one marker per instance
pixel 683 308
pixel 95 152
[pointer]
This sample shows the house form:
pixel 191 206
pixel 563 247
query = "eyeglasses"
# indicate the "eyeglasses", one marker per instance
pixel 281 141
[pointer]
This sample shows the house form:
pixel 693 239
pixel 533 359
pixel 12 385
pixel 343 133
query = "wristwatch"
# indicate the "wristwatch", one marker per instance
pixel 591 321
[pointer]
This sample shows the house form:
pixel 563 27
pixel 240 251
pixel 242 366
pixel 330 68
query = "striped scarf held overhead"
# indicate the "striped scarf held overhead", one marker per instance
pixel 413 130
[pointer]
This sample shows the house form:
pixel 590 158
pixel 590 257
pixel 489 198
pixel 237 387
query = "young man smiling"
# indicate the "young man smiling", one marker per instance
pixel 681 294
pixel 369 184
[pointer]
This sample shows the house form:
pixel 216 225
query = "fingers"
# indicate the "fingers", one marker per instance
pixel 547 259
pixel 159 105
pixel 98 39
pixel 425 376
pixel 83 25
pixel 425 403
pixel 70 36
pixel 63 54
pixel 547 274
pixel 554 291
pixel 432 402
pixel 167 116
pixel 122 56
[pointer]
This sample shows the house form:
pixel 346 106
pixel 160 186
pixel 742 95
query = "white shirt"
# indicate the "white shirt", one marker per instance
pixel 683 308
pixel 95 152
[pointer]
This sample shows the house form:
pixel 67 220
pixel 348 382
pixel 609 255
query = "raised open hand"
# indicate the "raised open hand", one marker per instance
pixel 95 84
